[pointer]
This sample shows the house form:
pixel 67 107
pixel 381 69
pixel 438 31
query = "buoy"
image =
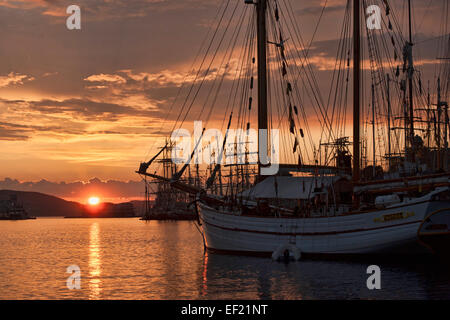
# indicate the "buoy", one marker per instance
pixel 287 252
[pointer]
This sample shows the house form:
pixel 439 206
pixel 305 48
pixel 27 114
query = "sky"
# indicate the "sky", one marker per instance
pixel 82 104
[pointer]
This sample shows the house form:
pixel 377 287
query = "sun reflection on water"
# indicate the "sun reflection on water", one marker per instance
pixel 204 290
pixel 95 261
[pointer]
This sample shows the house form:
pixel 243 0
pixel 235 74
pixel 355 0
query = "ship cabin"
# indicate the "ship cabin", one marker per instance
pixel 304 196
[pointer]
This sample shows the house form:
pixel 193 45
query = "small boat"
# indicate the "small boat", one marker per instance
pixel 11 209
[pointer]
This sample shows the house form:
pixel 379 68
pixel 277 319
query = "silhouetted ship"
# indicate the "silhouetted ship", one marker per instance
pixel 387 196
pixel 11 209
pixel 169 203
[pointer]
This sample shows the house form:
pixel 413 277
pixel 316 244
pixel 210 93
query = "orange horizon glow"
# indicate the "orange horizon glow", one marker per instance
pixel 93 201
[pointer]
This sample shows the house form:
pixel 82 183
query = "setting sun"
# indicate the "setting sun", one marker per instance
pixel 94 201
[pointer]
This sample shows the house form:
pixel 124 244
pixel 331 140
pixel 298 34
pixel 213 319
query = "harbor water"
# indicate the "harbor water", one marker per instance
pixel 133 259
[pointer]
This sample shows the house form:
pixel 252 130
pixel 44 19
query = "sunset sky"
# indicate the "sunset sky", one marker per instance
pixel 82 104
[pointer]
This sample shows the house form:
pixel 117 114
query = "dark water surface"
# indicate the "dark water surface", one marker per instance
pixel 131 259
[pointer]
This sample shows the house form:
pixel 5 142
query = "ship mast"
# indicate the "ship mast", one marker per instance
pixel 356 87
pixel 388 96
pixel 410 80
pixel 261 8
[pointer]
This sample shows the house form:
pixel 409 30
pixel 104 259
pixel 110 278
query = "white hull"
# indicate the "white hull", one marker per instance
pixel 380 231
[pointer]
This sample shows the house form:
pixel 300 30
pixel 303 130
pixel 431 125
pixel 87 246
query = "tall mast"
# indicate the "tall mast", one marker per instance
pixel 388 83
pixel 428 115
pixel 410 79
pixel 147 199
pixel 438 136
pixel 261 7
pixel 356 87
pixel 445 105
pixel 373 131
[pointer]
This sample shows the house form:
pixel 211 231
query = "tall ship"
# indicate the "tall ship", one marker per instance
pixel 12 209
pixel 162 202
pixel 382 189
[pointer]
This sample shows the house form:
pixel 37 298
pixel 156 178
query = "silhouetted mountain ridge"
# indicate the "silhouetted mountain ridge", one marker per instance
pixel 40 205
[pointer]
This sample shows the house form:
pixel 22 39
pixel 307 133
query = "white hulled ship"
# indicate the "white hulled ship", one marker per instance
pixel 328 200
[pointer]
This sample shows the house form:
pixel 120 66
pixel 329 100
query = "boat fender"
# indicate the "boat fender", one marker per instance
pixel 287 252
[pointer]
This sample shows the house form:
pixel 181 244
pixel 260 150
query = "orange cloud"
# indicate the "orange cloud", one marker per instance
pixel 105 78
pixel 14 79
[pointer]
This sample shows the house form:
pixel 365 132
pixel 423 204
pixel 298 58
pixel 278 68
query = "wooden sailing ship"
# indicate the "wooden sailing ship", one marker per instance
pixel 339 202
pixel 162 202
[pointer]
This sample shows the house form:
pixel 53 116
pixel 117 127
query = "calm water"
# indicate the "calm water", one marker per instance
pixel 131 259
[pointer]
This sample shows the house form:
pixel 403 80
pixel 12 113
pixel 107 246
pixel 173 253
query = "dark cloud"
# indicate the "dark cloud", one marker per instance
pixel 315 10
pixel 86 108
pixel 108 189
pixel 79 114
pixel 12 133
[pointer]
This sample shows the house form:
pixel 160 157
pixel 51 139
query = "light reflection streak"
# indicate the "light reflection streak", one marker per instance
pixel 204 290
pixel 94 261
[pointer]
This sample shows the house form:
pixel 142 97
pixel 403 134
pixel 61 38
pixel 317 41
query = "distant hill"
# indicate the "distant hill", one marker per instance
pixel 139 206
pixel 39 204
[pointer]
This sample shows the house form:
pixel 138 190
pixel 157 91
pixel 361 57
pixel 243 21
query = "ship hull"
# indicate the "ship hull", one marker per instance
pixel 382 231
pixel 434 232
